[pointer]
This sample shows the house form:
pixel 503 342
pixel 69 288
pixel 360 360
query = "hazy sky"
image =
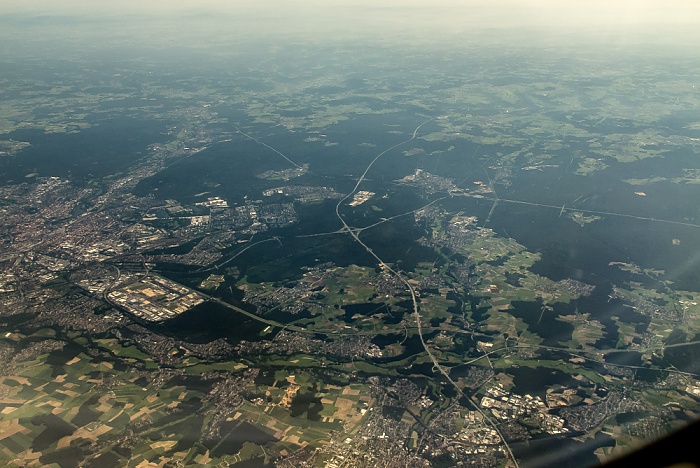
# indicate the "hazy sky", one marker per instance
pixel 538 11
pixel 408 21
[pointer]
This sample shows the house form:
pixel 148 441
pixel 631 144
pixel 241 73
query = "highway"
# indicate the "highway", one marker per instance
pixel 416 309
